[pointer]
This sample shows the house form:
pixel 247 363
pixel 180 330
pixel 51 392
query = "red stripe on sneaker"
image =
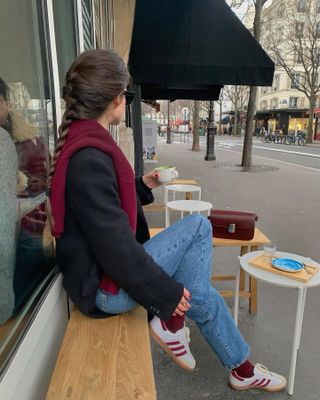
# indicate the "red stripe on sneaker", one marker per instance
pixel 178 348
pixel 163 325
pixel 261 382
pixel 233 372
pixel 267 383
pixel 181 354
pixel 175 342
pixel 254 382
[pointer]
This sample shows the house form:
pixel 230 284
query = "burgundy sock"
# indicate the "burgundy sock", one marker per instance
pixel 245 370
pixel 175 323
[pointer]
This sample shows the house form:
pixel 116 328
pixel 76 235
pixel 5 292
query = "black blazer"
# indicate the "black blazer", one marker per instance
pixel 97 238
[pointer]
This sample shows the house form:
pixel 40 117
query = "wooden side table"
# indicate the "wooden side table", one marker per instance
pixel 259 239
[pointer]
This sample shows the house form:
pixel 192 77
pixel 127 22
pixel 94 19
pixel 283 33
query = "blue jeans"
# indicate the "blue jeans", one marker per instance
pixel 184 251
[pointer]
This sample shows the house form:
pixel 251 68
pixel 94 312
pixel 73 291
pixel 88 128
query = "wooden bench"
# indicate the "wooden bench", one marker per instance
pixel 259 239
pixel 104 359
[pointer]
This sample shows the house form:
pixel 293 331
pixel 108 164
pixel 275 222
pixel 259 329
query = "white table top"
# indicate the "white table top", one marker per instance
pixel 189 205
pixel 183 188
pixel 275 279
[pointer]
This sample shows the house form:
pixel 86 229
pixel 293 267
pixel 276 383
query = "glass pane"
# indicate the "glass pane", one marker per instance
pixel 65 36
pixel 87 24
pixel 26 248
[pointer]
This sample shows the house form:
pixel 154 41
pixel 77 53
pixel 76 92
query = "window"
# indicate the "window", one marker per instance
pixel 276 83
pixel 26 120
pixel 299 29
pixel 63 13
pixel 298 56
pixel 318 6
pixel 296 80
pixel 263 105
pixel 302 6
pixel 87 24
pixel 293 102
pixel 274 102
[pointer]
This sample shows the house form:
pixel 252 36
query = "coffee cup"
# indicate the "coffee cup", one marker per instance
pixel 166 173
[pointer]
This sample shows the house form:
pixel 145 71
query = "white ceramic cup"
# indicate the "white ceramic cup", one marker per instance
pixel 167 174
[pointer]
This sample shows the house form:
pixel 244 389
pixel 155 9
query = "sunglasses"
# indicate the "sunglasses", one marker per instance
pixel 129 96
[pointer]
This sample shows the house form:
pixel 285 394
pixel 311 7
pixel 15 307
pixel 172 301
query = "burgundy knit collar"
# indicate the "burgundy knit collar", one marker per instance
pixel 89 133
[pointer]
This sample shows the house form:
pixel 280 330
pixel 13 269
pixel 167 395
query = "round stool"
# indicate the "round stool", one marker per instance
pixel 180 189
pixel 190 206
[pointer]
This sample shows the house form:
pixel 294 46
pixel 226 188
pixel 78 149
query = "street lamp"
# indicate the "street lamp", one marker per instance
pixel 211 130
pixel 168 126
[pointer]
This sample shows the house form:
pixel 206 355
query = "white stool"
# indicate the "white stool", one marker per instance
pixel 180 189
pixel 189 206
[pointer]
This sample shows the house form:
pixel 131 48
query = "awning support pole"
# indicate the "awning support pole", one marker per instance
pixel 168 125
pixel 211 131
pixel 137 130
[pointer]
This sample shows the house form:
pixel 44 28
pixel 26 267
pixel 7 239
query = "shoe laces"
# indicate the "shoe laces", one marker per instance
pixel 263 370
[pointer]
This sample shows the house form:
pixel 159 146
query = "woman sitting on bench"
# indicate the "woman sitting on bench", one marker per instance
pixel 108 262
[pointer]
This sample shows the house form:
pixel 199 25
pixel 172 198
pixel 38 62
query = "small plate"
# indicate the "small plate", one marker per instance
pixel 287 264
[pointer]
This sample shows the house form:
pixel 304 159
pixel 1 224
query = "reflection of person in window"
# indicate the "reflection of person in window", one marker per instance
pixel 8 218
pixel 30 147
pixel 30 261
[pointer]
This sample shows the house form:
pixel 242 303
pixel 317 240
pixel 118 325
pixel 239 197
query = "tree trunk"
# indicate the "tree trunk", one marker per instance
pixel 196 141
pixel 247 145
pixel 312 102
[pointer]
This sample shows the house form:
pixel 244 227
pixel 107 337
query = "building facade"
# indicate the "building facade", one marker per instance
pixel 283 106
pixel 39 39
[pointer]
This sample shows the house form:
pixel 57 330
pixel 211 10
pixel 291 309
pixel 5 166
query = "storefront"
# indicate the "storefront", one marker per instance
pixel 287 119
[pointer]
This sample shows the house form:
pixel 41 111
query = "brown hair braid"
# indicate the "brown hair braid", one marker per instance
pixel 94 79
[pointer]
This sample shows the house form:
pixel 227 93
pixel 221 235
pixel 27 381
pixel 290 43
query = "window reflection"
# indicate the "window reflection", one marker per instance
pixel 26 124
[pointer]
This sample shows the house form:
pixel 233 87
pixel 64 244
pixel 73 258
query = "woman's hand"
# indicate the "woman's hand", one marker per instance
pixel 184 304
pixel 151 179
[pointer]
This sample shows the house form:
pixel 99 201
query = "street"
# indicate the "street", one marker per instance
pixel 286 200
pixel 307 156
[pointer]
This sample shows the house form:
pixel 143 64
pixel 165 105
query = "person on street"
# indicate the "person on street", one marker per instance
pixel 109 263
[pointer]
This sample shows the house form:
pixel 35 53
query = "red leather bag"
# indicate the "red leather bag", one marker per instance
pixel 228 224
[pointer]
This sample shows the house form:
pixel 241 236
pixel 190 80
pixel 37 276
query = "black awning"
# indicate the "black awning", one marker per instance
pixel 180 45
pixel 194 92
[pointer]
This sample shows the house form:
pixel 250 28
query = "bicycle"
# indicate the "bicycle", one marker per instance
pixel 299 138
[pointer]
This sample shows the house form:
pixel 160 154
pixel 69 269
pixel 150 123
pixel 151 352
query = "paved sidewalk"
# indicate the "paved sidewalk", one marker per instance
pixel 287 202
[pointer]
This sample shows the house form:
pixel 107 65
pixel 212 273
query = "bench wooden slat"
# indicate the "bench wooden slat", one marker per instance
pixel 104 359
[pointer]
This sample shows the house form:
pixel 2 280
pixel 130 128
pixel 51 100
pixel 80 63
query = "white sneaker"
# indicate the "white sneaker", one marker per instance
pixel 262 379
pixel 175 344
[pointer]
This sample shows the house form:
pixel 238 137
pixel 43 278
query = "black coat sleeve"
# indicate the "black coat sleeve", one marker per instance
pixel 144 193
pixel 93 197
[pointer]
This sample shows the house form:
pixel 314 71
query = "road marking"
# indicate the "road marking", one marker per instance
pixel 279 161
pixel 299 153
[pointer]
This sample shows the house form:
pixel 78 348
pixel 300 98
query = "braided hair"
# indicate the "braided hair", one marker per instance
pixel 94 79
